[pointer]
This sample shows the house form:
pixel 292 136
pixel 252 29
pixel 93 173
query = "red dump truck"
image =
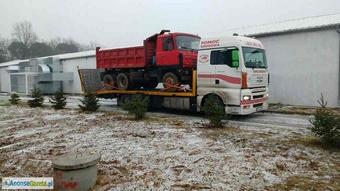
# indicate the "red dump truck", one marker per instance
pixel 167 58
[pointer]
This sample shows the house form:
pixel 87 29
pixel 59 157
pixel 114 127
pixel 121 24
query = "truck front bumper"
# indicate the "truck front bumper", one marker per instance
pixel 258 102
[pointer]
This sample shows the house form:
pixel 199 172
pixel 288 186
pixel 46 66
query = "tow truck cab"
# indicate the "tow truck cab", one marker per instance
pixel 235 69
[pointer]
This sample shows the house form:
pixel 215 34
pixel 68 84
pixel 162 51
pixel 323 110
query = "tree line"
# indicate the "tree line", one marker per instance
pixel 25 44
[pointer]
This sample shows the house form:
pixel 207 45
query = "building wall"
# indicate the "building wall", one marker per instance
pixel 4 80
pixel 70 65
pixel 302 66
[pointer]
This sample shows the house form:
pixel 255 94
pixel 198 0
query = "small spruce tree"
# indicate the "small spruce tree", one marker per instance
pixel 14 99
pixel 37 98
pixel 89 103
pixel 214 111
pixel 326 124
pixel 137 105
pixel 58 100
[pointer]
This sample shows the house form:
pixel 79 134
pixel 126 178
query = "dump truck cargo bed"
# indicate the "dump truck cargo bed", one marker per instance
pixel 132 57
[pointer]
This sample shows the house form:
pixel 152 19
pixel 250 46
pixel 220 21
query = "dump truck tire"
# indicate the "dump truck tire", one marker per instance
pixel 170 78
pixel 123 81
pixel 108 79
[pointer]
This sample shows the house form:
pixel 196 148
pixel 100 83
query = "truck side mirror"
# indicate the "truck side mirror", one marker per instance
pixel 235 58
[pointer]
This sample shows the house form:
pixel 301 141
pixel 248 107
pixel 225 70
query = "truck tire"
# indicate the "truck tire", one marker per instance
pixel 170 78
pixel 109 79
pixel 123 81
pixel 121 99
pixel 214 100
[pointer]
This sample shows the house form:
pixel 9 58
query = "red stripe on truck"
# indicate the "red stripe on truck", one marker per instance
pixel 229 79
pixel 254 101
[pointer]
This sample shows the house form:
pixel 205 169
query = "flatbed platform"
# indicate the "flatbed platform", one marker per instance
pixel 91 82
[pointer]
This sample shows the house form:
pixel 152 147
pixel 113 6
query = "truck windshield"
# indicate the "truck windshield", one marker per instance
pixel 187 42
pixel 254 57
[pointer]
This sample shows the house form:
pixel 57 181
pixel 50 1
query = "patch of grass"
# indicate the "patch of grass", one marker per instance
pixel 299 182
pixel 235 134
pixel 108 113
pixel 308 140
pixel 21 104
pixel 295 111
pixel 158 119
pixel 216 133
pixel 179 125
pixel 327 170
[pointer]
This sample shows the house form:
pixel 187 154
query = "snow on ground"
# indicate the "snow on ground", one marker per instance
pixel 163 153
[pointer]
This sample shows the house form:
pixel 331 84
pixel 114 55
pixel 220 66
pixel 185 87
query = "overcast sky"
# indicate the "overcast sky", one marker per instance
pixel 119 23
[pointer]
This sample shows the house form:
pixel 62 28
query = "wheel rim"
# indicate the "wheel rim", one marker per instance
pixel 107 80
pixel 123 82
pixel 169 81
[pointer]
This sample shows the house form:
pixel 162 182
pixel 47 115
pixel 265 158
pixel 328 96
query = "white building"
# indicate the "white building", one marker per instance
pixel 303 57
pixel 69 63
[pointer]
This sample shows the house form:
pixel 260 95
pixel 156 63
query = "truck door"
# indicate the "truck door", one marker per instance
pixel 205 70
pixel 226 75
pixel 167 55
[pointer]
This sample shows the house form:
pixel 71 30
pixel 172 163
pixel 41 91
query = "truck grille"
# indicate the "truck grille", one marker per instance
pixel 258 105
pixel 257 96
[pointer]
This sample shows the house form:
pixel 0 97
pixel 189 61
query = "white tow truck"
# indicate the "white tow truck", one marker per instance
pixel 233 69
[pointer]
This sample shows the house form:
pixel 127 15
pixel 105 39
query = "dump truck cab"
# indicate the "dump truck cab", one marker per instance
pixel 177 49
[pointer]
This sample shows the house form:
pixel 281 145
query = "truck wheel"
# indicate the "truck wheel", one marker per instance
pixel 214 100
pixel 109 79
pixel 121 99
pixel 123 81
pixel 170 78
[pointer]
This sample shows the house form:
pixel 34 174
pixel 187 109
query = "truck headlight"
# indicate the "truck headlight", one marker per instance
pixel 246 97
pixel 267 95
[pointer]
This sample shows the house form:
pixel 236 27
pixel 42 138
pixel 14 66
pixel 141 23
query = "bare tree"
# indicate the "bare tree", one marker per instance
pixel 23 32
pixel 94 44
pixel 91 46
pixel 4 53
pixel 54 43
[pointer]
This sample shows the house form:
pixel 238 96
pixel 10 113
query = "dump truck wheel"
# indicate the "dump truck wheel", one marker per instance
pixel 123 81
pixel 108 79
pixel 170 78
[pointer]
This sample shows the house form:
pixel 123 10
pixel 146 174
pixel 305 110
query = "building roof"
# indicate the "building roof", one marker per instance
pixel 10 63
pixel 76 55
pixel 67 56
pixel 296 25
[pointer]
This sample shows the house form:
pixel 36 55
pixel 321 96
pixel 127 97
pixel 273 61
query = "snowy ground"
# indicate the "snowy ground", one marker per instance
pixel 167 152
